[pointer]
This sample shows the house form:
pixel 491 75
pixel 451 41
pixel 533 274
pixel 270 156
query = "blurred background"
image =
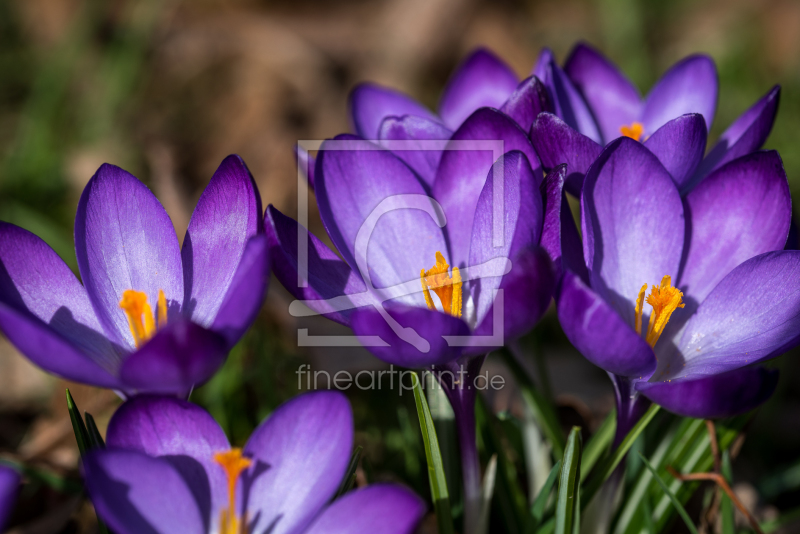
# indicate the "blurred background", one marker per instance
pixel 166 89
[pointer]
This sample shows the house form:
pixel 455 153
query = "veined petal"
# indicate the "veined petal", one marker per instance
pixel 527 101
pixel 689 86
pixel 306 163
pixel 370 103
pixel 679 145
pixel 136 494
pixel 185 435
pixel 415 132
pixel 482 80
pixel 613 99
pixel 125 240
pixel 300 454
pixel 714 396
pixel 376 509
pixel 227 215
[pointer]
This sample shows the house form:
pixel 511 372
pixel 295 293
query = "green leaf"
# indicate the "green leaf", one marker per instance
pixel 81 434
pixel 537 509
pixel 436 477
pixel 605 469
pixel 95 439
pixel 349 479
pixel 678 506
pixel 598 444
pixel 728 516
pixel 567 502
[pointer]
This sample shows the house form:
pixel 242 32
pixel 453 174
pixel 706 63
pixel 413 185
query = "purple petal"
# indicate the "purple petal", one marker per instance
pixel 613 99
pixel 227 215
pixel 185 434
pixel 9 489
pixel 752 315
pixel 557 143
pixel 527 101
pixel 568 103
pixel 415 132
pixel 306 163
pixel 246 292
pixel 370 190
pixel 690 86
pixel 522 211
pixel 679 145
pixel 136 494
pixel 327 277
pixel 371 103
pixel 376 509
pixel 556 210
pixel 46 313
pixel 714 396
pixel 633 225
pixel 745 135
pixel 125 240
pixel 482 80
pixel 300 454
pixel 483 138
pixel 750 195
pixel 423 327
pixel 179 357
pixel 599 333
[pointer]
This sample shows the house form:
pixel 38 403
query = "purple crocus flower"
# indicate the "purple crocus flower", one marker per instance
pixel 723 294
pixel 595 103
pixel 168 467
pixel 149 316
pixel 9 488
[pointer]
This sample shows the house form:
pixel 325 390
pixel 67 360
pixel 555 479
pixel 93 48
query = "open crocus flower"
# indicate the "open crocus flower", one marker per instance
pixel 595 103
pixel 682 297
pixel 168 468
pixel 9 488
pixel 149 316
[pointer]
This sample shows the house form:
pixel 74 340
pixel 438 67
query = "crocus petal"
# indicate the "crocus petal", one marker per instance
pixel 185 434
pixel 679 145
pixel 300 454
pixel 415 134
pixel 750 194
pixel 46 312
pixel 136 494
pixel 371 103
pixel 745 135
pixel 568 103
pixel 376 509
pixel 423 330
pixel 556 210
pixel 714 396
pixel 482 80
pixel 125 240
pixel 246 292
pixel 753 314
pixel 557 143
pixel 522 210
pixel 633 226
pixel 527 101
pixel 599 333
pixel 366 189
pixel 612 97
pixel 462 171
pixel 9 488
pixel 227 215
pixel 306 163
pixel 179 357
pixel 690 86
pixel 327 276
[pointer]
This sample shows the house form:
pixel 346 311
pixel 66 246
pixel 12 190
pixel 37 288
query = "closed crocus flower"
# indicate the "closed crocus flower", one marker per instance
pixel 681 298
pixel 150 315
pixel 9 489
pixel 168 468
pixel 595 103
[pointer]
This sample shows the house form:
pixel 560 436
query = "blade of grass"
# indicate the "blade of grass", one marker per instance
pixel 436 478
pixel 728 517
pixel 538 507
pixel 598 444
pixel 78 427
pixel 567 503
pixel 95 439
pixel 675 502
pixel 349 479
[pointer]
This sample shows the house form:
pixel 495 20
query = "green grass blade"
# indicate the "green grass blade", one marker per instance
pixel 605 469
pixel 598 444
pixel 567 502
pixel 538 507
pixel 439 494
pixel 95 439
pixel 349 479
pixel 78 427
pixel 675 502
pixel 728 516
